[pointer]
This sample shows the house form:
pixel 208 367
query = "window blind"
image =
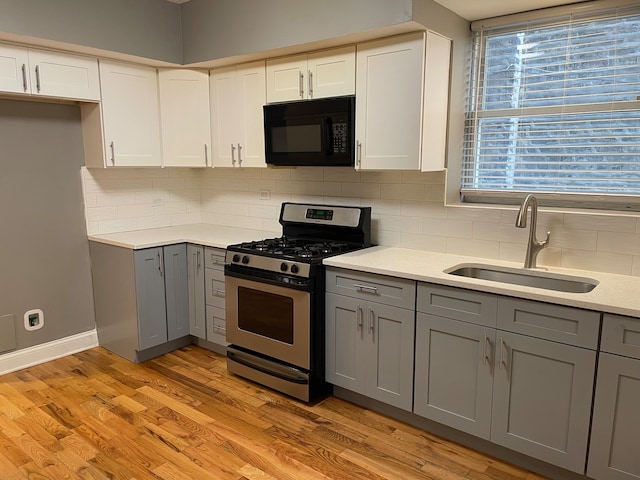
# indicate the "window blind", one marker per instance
pixel 555 108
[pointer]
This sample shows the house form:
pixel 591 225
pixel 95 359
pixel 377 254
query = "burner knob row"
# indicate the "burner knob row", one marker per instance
pixel 284 267
pixel 236 258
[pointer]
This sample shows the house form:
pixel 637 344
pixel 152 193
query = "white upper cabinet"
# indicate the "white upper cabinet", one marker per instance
pixel 237 97
pixel 184 115
pixel 328 73
pixel 130 115
pixel 51 74
pixel 390 112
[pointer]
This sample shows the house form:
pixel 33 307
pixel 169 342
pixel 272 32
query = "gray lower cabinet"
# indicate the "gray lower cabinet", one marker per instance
pixel 542 395
pixel 216 325
pixel 615 432
pixel 512 371
pixel 454 373
pixel 369 344
pixel 141 298
pixel 196 286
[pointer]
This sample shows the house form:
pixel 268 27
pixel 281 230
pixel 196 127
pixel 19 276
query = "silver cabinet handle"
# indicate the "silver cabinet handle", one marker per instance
pixel 359 315
pixel 113 153
pixel 485 350
pixel 310 84
pixel 372 321
pixel 502 347
pixel 359 154
pixel 160 265
pixel 206 156
pixel 301 83
pixel 38 78
pixel 24 77
pixel 239 155
pixel 365 288
pixel 219 292
pixel 197 258
pixel 233 154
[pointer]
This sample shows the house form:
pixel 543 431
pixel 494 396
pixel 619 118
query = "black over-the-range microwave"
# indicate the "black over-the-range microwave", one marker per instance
pixel 310 132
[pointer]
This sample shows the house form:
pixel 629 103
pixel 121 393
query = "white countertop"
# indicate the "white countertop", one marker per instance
pixel 201 234
pixel 619 294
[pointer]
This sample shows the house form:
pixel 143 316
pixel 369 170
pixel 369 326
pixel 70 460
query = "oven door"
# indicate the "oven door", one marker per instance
pixel 269 319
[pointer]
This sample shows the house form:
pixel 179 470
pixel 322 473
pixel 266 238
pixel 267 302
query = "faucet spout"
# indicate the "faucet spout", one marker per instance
pixel 533 245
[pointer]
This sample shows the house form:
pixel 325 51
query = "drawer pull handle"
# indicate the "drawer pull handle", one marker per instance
pixel 365 288
pixel 219 292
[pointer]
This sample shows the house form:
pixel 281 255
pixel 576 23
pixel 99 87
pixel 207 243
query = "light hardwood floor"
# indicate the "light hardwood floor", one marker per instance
pixel 94 415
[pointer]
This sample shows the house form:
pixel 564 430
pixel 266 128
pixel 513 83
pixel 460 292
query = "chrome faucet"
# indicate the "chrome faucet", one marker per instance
pixel 534 245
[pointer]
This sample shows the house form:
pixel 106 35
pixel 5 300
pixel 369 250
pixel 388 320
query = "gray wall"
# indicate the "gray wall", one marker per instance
pixel 226 28
pixel 44 260
pixel 145 28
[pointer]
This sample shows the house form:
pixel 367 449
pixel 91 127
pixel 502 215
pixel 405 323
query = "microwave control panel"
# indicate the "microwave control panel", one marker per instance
pixel 340 137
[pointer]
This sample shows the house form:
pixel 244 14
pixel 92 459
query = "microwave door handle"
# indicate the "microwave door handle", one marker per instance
pixel 328 135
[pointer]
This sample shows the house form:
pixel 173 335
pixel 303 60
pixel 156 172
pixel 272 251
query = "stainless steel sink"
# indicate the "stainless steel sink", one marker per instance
pixel 527 278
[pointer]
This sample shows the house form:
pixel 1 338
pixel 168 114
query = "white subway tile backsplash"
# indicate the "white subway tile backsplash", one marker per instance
pixel 601 262
pixel 400 191
pixel 472 247
pixel 408 211
pixel 625 243
pixel 609 223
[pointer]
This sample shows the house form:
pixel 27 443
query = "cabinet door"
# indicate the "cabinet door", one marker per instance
pixel 345 332
pixel 184 115
pixel 389 103
pixel 216 325
pixel 615 433
pixel 130 113
pixel 332 73
pixel 195 266
pixel 542 395
pixel 286 79
pixel 152 314
pixel 454 373
pixel 435 112
pixel 389 354
pixel 251 97
pixel 177 293
pixel 14 69
pixel 64 76
pixel 225 116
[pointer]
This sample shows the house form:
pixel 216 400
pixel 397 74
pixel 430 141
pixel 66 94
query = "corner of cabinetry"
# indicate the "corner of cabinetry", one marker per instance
pixel 92 134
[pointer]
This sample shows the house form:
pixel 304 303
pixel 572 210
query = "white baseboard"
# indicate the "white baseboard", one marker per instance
pixel 62 347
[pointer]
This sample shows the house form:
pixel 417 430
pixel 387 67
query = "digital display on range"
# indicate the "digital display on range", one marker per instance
pixel 318 214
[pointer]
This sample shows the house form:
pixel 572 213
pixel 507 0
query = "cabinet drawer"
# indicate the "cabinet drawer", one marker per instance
pixel 216 325
pixel 572 326
pixel 214 258
pixel 214 287
pixel 376 288
pixel 621 335
pixel 466 305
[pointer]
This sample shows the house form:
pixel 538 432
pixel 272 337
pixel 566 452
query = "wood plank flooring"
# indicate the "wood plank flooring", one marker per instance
pixel 94 415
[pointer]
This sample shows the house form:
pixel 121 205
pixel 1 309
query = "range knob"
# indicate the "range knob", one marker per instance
pixel 294 269
pixel 284 267
pixel 236 258
pixel 245 259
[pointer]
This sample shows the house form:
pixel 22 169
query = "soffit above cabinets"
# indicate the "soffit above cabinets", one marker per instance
pixel 481 9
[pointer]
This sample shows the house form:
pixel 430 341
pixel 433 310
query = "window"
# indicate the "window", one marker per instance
pixel 554 108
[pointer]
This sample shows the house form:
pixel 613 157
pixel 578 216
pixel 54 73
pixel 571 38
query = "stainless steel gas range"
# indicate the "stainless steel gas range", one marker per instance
pixel 275 296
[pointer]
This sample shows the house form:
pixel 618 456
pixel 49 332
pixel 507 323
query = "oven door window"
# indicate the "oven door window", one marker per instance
pixel 266 314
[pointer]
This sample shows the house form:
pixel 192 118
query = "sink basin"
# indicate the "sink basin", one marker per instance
pixel 527 278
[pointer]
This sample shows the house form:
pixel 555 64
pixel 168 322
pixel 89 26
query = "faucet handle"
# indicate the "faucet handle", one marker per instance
pixel 546 240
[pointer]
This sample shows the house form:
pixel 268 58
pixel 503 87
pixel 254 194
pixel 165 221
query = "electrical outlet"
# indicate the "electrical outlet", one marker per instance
pixel 265 194
pixel 157 201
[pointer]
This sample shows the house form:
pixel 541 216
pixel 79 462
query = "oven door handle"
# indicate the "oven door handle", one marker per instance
pixel 289 374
